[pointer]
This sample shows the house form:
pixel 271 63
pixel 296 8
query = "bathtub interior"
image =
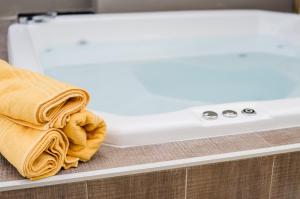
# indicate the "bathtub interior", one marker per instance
pixel 182 80
pixel 144 70
pixel 141 66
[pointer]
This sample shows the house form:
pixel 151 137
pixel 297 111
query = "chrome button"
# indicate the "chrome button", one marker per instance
pixel 249 111
pixel 210 115
pixel 229 113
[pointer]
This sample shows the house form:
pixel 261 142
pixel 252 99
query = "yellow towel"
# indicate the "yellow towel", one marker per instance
pixel 37 101
pixel 85 132
pixel 34 153
pixel 43 123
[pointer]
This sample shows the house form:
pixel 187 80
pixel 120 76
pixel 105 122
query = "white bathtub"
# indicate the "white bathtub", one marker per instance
pixel 146 109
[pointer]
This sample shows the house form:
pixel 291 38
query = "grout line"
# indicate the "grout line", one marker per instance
pixel 271 181
pixel 185 186
pixel 86 190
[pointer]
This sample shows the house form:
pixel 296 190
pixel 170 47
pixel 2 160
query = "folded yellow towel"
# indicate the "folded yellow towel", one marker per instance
pixel 85 132
pixel 37 101
pixel 43 123
pixel 34 153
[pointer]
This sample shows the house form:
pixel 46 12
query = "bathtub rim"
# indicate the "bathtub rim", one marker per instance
pixel 123 130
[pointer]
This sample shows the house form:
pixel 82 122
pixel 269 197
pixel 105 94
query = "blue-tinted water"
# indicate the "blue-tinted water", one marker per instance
pixel 137 78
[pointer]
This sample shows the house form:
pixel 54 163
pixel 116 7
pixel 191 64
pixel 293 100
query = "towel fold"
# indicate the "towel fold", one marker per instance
pixel 85 132
pixel 44 124
pixel 34 153
pixel 36 101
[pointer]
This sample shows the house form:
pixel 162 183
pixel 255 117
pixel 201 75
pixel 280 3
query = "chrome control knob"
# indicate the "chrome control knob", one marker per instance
pixel 249 111
pixel 210 115
pixel 229 113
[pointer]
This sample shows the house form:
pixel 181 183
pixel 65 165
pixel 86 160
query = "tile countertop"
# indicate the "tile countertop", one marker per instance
pixel 111 161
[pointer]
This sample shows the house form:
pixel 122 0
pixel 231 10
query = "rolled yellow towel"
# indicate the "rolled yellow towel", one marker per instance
pixel 46 123
pixel 34 153
pixel 36 101
pixel 85 132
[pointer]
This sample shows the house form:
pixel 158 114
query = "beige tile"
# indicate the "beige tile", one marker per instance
pixel 163 184
pixel 240 142
pixel 109 157
pixel 286 176
pixel 244 179
pixel 7 171
pixel 282 136
pixel 68 191
pixel 114 188
pixel 155 185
